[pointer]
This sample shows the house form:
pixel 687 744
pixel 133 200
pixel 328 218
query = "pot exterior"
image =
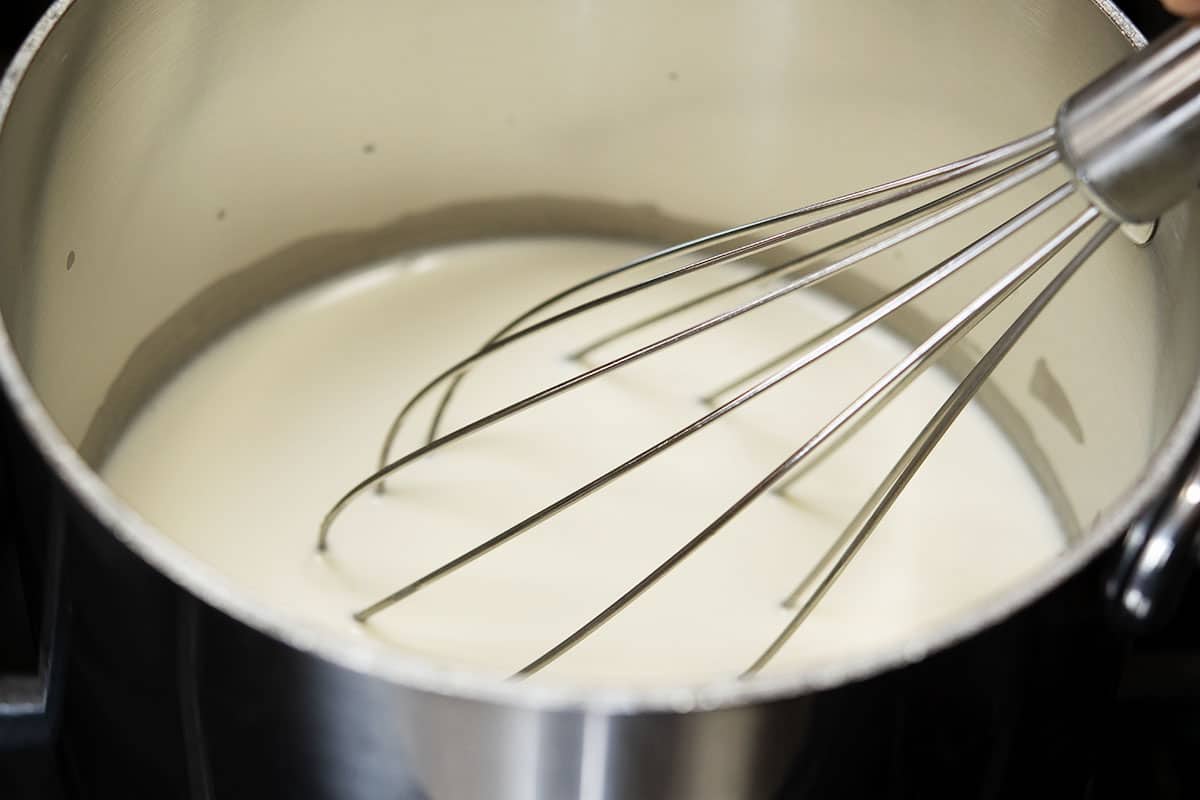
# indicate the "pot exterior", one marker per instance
pixel 166 696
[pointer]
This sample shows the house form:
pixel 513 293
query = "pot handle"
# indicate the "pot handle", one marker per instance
pixel 1157 556
pixel 29 703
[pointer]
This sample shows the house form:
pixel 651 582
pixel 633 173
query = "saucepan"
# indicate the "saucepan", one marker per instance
pixel 153 155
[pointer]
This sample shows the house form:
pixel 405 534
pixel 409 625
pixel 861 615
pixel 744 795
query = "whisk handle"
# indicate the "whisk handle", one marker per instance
pixel 1132 136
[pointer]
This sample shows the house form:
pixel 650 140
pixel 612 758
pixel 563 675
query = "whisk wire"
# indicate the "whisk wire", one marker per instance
pixel 893 191
pixel 1038 165
pixel 830 341
pixel 1130 142
pixel 894 380
pixel 817 583
pixel 859 236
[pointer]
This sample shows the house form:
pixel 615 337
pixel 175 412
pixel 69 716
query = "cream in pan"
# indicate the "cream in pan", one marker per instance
pixel 242 453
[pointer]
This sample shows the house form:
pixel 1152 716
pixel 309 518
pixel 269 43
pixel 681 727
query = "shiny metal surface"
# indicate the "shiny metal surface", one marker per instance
pixel 890 191
pixel 155 150
pixel 921 358
pixel 966 199
pixel 1133 136
pixel 1157 556
pixel 1118 146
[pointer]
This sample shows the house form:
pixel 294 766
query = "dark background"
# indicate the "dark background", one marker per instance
pixel 16 18
pixel 1154 733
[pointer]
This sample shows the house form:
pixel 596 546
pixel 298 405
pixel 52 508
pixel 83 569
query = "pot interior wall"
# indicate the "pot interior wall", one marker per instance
pixel 169 169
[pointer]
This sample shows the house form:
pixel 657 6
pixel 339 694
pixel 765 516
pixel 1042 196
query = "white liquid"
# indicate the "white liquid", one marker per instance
pixel 242 454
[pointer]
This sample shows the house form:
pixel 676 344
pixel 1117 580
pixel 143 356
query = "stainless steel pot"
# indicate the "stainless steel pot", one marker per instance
pixel 165 169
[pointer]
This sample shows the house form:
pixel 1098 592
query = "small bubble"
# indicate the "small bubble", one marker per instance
pixel 369 148
pixel 70 260
pixel 672 76
pixel 220 213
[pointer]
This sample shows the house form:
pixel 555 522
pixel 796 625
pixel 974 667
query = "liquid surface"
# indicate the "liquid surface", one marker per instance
pixel 243 453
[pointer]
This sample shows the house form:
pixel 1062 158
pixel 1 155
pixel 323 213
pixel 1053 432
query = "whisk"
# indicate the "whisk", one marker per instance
pixel 1131 143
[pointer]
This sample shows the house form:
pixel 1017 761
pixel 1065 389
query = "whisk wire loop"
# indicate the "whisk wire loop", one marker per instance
pixel 895 379
pixel 834 338
pixel 1009 180
pixel 1130 140
pixel 820 579
pixel 878 196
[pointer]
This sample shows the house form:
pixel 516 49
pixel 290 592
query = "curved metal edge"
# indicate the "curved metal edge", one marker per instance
pixel 379 660
pixel 1122 23
pixel 1158 555
pixel 1144 585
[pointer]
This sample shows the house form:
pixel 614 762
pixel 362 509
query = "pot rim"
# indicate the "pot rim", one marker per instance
pixel 380 660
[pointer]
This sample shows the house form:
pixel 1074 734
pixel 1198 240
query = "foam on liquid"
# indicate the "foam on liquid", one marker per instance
pixel 240 456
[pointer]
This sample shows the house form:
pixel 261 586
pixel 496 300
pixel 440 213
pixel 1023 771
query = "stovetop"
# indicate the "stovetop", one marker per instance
pixel 1153 722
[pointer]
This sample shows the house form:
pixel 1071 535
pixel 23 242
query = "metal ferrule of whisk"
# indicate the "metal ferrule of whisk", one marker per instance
pixel 1132 136
pixel 1130 141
